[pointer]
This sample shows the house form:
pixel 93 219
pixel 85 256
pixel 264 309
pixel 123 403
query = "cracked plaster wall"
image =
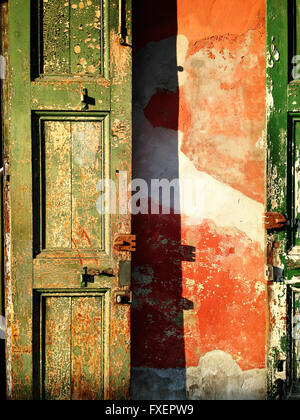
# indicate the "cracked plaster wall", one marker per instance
pixel 199 323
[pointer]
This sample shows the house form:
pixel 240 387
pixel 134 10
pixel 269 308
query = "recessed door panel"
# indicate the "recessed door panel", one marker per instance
pixel 72 158
pixel 72 362
pixel 72 37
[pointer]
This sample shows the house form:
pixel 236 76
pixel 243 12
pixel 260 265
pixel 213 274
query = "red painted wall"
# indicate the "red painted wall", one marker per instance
pixel 199 109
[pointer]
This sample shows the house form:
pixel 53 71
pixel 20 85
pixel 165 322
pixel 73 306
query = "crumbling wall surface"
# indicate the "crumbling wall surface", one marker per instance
pixel 199 312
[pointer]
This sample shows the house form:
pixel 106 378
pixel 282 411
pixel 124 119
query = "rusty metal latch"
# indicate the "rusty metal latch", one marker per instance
pixel 88 275
pixel 125 243
pixel 279 221
pixel 84 101
pixel 123 298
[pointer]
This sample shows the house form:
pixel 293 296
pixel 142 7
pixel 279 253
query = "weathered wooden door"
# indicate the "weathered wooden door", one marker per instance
pixel 283 195
pixel 67 286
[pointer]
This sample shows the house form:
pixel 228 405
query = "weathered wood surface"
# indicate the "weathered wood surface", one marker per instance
pixel 72 149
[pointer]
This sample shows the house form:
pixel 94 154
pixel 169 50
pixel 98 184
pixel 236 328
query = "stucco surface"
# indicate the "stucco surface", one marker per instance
pixel 198 276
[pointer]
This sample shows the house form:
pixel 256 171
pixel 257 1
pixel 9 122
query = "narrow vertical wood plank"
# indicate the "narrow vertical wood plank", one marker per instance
pixel 86 36
pixel 18 285
pixel 57 342
pixel 58 184
pixel 87 348
pixel 56 36
pixel 121 159
pixel 86 173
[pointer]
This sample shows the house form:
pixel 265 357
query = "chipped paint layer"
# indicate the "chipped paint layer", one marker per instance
pixel 277 339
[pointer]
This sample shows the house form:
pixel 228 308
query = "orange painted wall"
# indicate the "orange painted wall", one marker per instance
pixel 199 109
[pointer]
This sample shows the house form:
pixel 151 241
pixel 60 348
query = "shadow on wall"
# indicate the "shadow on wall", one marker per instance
pixel 157 316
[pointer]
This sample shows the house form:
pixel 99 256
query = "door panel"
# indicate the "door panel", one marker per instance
pixel 69 127
pixel 58 181
pixel 70 156
pixel 70 46
pixel 73 343
pixel 56 361
pixel 77 46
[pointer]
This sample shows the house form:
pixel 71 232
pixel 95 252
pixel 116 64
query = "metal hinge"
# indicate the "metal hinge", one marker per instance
pixel 269 273
pixel 275 274
pixel 122 23
pixel 125 243
pixel 279 221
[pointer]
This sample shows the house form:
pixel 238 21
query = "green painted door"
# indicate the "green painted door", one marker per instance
pixel 283 195
pixel 69 107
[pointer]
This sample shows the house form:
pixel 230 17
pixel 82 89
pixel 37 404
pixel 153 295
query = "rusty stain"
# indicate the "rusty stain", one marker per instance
pixel 275 221
pixel 125 243
pixel 120 58
pixel 78 251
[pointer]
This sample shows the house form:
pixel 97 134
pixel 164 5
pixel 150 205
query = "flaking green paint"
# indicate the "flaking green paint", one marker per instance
pixel 283 108
pixel 36 96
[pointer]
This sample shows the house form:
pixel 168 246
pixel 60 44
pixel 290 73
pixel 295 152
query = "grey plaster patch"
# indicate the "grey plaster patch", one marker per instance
pixel 158 384
pixel 217 377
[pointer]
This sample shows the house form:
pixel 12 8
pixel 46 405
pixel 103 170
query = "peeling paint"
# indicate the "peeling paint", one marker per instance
pixel 269 98
pixel 199 276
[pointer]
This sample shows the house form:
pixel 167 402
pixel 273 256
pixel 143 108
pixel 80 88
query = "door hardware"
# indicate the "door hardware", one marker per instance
pixel 280 365
pixel 122 28
pixel 279 221
pixel 88 275
pixel 124 298
pixel 84 95
pixel 125 243
pixel 86 100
